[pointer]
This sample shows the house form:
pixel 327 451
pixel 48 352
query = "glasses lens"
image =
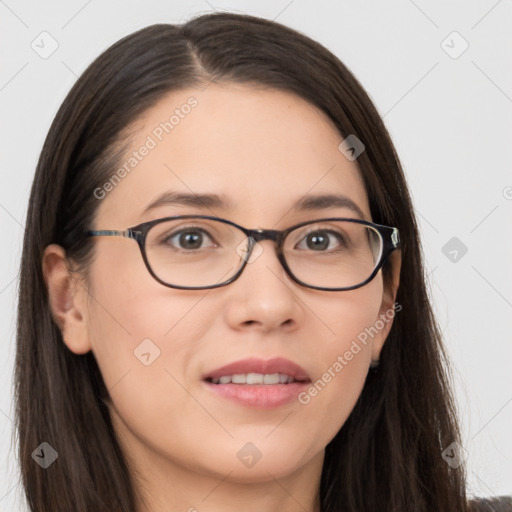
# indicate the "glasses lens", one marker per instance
pixel 333 254
pixel 195 252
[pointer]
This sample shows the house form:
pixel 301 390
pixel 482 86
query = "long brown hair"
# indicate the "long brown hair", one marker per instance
pixel 388 454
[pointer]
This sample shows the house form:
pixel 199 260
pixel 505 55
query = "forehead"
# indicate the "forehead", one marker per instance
pixel 262 149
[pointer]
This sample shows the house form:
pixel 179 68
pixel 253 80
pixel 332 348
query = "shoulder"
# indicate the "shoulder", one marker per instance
pixel 495 504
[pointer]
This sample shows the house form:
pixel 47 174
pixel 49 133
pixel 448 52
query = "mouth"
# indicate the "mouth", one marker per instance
pixel 277 370
pixel 255 378
pixel 257 383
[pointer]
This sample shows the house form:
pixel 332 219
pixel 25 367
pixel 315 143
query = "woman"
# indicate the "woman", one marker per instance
pixel 175 352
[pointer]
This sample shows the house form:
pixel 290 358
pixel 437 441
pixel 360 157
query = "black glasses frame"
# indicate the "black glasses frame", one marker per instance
pixel 389 235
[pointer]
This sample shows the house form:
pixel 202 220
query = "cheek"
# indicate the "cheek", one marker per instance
pixel 347 317
pixel 342 358
pixel 143 341
pixel 135 322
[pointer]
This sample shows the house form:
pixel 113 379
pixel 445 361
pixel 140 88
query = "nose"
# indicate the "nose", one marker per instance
pixel 264 296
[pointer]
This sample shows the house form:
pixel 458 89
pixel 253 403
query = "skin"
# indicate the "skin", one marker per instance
pixel 263 149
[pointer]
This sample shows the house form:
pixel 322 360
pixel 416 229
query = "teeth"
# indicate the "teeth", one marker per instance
pixel 253 378
pixel 269 379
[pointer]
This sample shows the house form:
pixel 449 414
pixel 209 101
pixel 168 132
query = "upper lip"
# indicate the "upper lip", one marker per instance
pixel 256 365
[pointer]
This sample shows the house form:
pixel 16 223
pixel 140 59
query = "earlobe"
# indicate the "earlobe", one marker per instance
pixel 66 299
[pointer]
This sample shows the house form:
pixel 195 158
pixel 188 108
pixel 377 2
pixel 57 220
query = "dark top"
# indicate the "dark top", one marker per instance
pixel 496 504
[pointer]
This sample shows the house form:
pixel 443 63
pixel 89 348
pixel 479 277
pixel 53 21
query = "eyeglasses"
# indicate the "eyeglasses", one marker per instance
pixel 196 252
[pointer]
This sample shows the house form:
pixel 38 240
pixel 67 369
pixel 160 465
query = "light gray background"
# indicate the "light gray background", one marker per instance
pixel 450 119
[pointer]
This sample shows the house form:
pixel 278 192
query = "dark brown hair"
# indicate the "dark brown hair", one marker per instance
pixel 388 454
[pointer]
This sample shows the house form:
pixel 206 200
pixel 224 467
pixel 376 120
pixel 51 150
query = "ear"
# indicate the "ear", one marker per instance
pixel 67 297
pixel 388 310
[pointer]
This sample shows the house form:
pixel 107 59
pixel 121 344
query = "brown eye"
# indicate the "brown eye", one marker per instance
pixel 188 239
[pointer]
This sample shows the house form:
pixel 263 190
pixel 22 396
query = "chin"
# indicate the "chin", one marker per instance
pixel 247 463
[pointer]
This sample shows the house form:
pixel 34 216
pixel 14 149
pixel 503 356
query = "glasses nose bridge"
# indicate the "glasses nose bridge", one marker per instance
pixel 263 234
pixel 258 235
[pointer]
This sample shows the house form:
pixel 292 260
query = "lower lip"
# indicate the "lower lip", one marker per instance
pixel 261 396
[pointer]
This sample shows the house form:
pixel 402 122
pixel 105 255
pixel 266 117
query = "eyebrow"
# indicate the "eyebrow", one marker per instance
pixel 207 201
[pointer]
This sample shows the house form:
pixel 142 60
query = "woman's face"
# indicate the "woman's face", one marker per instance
pixel 261 151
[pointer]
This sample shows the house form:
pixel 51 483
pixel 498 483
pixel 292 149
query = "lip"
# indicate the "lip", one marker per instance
pixel 255 365
pixel 259 396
